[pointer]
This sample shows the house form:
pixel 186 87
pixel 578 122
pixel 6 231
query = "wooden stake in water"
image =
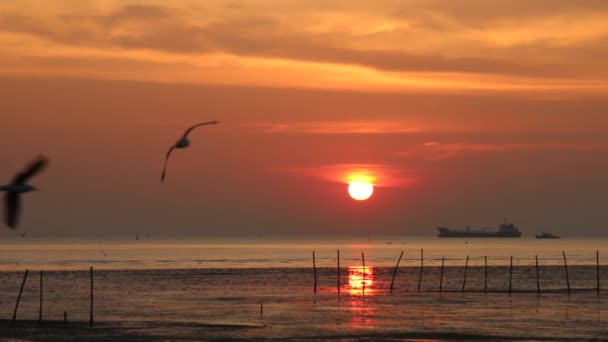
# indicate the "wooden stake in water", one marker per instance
pixel 441 275
pixel 421 268
pixel 597 271
pixel 566 268
pixel 338 259
pixel 510 275
pixel 464 280
pixel 261 308
pixel 485 278
pixel 65 319
pixel 91 309
pixel 19 297
pixel 363 260
pixel 314 270
pixel 40 308
pixel 537 275
pixel 395 272
pixel 101 248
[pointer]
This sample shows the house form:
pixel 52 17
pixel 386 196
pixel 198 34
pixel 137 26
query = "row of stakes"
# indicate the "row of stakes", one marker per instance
pixel 65 314
pixel 466 265
pixel 315 287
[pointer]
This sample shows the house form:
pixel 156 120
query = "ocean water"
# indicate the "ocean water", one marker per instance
pixel 196 252
pixel 199 289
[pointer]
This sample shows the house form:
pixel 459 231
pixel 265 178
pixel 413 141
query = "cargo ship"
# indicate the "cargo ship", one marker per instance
pixel 505 230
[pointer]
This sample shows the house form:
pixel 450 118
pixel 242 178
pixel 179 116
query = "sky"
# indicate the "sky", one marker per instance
pixel 462 113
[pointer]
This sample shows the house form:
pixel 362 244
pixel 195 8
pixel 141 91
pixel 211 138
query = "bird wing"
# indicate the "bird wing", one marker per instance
pixel 162 177
pixel 34 167
pixel 11 202
pixel 200 124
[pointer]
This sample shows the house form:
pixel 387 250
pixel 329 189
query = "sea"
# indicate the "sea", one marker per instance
pixel 271 288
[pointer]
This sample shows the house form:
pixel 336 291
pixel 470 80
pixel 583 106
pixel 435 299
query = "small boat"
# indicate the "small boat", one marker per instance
pixel 547 236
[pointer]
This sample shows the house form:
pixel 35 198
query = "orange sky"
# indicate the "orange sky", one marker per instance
pixel 467 111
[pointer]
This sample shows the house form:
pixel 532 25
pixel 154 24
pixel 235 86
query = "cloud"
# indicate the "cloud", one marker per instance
pixel 430 38
pixel 481 13
pixel 136 12
pixel 437 151
pixel 338 127
pixel 380 175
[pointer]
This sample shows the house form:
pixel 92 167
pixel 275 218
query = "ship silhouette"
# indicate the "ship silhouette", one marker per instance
pixel 505 230
pixel 547 236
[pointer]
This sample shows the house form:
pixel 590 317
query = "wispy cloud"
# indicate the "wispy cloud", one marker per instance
pixel 338 127
pixel 381 175
pixel 339 35
pixel 405 47
pixel 437 151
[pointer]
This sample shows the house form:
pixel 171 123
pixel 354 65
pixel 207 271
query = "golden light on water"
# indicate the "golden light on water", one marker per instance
pixel 360 279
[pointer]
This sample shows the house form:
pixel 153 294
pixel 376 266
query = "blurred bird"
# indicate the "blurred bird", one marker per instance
pixel 18 187
pixel 183 142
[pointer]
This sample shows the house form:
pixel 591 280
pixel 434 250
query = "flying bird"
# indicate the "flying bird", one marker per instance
pixel 18 187
pixel 183 142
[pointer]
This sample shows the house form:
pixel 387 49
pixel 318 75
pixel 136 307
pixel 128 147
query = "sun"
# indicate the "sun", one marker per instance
pixel 360 191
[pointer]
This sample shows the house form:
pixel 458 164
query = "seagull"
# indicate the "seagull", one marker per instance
pixel 183 142
pixel 18 187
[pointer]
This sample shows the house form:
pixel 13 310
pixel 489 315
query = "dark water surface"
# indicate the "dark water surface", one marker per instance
pixel 280 302
pixel 199 291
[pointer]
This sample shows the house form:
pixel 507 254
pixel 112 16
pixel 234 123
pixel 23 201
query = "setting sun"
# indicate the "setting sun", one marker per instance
pixel 360 191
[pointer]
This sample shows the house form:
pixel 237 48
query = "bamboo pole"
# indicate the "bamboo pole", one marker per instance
pixel 40 308
pixel 485 278
pixel 511 275
pixel 441 275
pixel 338 271
pixel 566 268
pixel 101 247
pixel 19 298
pixel 597 271
pixel 91 309
pixel 464 280
pixel 421 268
pixel 395 272
pixel 363 260
pixel 537 275
pixel 314 270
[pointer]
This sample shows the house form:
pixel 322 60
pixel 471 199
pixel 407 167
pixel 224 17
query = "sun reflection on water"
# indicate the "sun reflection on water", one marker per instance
pixel 360 280
pixel 360 285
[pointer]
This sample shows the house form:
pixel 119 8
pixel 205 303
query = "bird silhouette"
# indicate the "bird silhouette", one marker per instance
pixel 17 187
pixel 183 142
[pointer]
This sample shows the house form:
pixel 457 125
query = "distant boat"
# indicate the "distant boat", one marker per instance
pixel 547 236
pixel 505 230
